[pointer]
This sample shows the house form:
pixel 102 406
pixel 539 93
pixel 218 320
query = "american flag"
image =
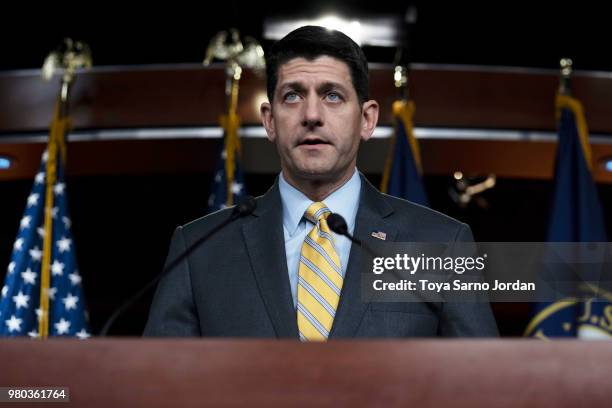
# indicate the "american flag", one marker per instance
pixel 380 235
pixel 20 309
pixel 218 198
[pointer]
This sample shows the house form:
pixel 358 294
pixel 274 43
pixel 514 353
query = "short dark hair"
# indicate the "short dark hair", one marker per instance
pixel 311 42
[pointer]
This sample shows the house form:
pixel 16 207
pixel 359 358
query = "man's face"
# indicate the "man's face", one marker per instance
pixel 316 120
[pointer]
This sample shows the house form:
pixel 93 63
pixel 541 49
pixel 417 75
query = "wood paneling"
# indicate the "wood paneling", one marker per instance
pixel 194 373
pixel 190 95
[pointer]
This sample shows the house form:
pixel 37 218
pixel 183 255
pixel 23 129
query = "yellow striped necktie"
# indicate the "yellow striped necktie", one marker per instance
pixel 319 278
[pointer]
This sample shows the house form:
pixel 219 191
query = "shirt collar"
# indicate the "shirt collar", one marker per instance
pixel 343 201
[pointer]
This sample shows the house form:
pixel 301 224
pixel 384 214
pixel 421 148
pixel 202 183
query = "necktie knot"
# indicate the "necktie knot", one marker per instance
pixel 317 212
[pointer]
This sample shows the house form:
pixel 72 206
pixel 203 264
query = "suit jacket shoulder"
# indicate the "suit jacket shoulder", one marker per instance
pixel 413 222
pixel 430 224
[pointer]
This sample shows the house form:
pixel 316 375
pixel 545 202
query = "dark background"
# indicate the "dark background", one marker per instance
pixel 528 34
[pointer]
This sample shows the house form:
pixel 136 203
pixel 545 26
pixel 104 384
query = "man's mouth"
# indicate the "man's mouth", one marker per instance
pixel 313 141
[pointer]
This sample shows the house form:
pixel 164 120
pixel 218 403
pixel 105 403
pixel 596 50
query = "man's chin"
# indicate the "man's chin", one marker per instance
pixel 317 173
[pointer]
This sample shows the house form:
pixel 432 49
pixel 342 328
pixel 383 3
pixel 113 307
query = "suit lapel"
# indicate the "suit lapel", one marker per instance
pixel 265 243
pixel 370 217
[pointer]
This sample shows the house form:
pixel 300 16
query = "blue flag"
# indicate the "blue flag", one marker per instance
pixel 227 187
pixel 402 174
pixel 576 216
pixel 20 308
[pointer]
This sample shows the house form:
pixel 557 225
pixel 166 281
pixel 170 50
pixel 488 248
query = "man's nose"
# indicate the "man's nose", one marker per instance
pixel 312 113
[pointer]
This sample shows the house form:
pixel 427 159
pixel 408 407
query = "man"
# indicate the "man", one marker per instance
pixel 280 271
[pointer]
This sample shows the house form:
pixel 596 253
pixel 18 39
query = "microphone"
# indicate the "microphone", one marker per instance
pixel 245 207
pixel 337 223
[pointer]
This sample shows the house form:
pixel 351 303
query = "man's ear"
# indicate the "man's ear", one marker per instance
pixel 369 119
pixel 267 120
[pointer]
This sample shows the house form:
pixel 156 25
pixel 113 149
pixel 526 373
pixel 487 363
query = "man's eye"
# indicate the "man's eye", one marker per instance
pixel 291 97
pixel 333 97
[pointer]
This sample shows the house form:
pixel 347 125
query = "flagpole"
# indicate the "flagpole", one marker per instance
pixel 403 110
pixel 231 124
pixel 75 56
pixel 400 80
pixel 236 56
pixel 565 100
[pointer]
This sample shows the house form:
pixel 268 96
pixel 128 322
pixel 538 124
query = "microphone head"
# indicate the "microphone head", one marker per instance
pixel 246 206
pixel 337 224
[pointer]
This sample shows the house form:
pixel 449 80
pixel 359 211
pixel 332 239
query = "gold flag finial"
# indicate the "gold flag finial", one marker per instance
pixel 67 58
pixel 400 80
pixel 566 71
pixel 227 46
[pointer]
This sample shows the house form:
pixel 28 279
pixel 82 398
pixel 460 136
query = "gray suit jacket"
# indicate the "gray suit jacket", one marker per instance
pixel 236 284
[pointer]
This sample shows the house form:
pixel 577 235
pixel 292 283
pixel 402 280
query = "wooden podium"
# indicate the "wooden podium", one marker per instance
pixel 196 373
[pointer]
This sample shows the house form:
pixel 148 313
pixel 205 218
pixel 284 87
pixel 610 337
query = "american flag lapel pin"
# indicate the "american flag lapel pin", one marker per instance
pixel 380 235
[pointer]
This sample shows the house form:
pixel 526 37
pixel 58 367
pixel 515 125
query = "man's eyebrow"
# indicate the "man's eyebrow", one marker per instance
pixel 330 85
pixel 296 86
pixel 322 88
